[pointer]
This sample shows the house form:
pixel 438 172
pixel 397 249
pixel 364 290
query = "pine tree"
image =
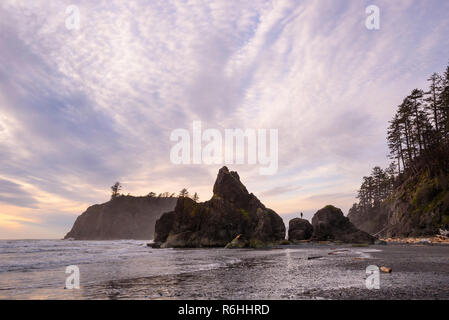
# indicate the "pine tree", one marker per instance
pixel 444 103
pixel 115 190
pixel 395 141
pixel 404 114
pixel 183 193
pixel 416 98
pixel 432 101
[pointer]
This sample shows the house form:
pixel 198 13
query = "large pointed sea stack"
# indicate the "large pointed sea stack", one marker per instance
pixel 231 211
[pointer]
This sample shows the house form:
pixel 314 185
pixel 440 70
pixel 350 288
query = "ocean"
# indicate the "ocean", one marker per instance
pixel 128 269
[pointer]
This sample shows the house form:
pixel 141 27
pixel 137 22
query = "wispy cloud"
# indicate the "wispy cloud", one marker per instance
pixel 13 193
pixel 81 109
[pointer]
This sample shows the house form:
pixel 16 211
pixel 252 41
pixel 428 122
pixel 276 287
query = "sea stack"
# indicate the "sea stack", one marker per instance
pixel 299 230
pixel 232 211
pixel 329 224
pixel 124 217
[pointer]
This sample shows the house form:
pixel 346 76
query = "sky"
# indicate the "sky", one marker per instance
pixel 83 108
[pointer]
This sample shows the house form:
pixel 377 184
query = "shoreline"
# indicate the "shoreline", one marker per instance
pixel 430 240
pixel 304 271
pixel 318 272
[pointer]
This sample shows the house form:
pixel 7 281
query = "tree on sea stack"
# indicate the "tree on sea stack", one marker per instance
pixel 115 190
pixel 195 197
pixel 183 193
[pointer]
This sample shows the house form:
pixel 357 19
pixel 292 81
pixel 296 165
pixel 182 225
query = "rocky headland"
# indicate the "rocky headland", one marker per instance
pixel 123 217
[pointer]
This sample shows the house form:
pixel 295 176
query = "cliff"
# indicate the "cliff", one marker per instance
pixel 371 220
pixel 124 217
pixel 417 206
pixel 420 206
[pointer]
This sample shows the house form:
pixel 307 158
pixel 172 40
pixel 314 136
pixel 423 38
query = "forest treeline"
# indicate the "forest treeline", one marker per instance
pixel 117 187
pixel 417 135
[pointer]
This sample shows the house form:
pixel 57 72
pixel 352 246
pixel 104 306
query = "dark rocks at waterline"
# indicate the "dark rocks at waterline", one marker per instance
pixel 299 229
pixel 239 242
pixel 231 211
pixel 163 227
pixel 380 242
pixel 329 224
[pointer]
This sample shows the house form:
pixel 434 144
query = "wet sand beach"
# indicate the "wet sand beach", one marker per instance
pixel 131 270
pixel 419 272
